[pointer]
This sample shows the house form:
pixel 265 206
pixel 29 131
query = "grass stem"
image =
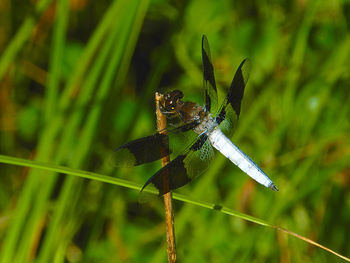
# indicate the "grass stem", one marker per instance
pixel 169 215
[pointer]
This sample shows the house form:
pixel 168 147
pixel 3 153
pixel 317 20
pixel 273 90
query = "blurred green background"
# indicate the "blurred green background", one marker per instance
pixel 78 79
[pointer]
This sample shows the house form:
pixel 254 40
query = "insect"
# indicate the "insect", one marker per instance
pixel 208 122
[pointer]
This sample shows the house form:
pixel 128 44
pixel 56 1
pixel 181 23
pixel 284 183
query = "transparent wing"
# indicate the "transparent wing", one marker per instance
pixel 184 168
pixel 228 114
pixel 211 95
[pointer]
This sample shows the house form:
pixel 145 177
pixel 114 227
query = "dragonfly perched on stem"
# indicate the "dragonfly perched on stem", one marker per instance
pixel 212 125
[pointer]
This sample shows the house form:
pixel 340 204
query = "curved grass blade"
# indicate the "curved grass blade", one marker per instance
pixel 115 181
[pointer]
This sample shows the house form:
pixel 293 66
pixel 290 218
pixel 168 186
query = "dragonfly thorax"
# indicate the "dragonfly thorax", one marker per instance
pixel 206 125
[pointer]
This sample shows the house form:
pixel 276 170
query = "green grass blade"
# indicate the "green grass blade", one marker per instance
pixel 23 214
pixel 20 38
pixel 72 186
pixel 70 193
pixel 58 43
pixel 131 185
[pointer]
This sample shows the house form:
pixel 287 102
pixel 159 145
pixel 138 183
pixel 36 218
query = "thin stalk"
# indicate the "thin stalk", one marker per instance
pixel 168 206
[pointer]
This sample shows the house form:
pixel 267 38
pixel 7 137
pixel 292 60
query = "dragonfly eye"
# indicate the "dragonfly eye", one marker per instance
pixel 172 99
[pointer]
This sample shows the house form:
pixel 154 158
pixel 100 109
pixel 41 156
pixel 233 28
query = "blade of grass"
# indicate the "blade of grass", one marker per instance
pixel 132 185
pixel 21 37
pixel 46 144
pixel 297 59
pixel 71 128
pixel 72 186
pixel 29 234
pixel 58 43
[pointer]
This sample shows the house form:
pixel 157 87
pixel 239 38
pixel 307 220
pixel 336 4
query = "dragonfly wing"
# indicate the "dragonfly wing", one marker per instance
pixel 184 168
pixel 140 151
pixel 153 147
pixel 211 95
pixel 228 114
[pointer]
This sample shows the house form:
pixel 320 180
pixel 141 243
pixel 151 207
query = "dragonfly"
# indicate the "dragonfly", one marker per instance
pixel 212 127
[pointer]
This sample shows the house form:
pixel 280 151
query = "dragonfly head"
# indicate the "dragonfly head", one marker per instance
pixel 171 101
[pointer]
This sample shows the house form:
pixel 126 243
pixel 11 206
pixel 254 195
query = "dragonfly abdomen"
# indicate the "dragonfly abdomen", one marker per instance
pixel 239 158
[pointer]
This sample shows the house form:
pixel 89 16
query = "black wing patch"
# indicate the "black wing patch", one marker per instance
pixel 184 168
pixel 211 95
pixel 151 148
pixel 231 108
pixel 140 151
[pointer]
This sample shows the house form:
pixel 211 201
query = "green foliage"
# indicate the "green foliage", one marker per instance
pixel 78 80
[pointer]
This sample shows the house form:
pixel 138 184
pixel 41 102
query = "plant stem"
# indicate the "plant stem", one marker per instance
pixel 169 216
